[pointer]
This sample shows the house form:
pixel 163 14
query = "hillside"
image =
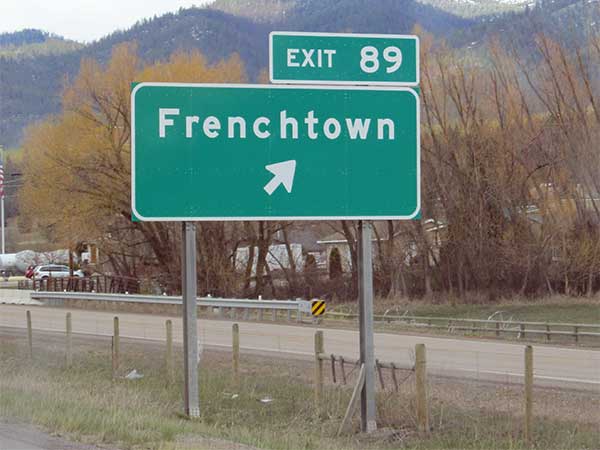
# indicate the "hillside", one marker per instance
pixel 23 37
pixel 384 16
pixel 30 43
pixel 51 46
pixel 571 22
pixel 31 83
pixel 478 8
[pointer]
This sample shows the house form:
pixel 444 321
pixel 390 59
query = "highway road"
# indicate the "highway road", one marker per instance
pixel 463 357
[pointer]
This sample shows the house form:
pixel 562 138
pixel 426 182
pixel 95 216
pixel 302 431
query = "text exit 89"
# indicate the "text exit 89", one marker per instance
pixel 339 58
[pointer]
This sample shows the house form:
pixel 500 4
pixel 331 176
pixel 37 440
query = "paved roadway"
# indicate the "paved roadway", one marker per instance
pixel 15 436
pixel 481 359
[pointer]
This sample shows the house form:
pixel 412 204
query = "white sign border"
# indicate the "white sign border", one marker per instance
pixel 142 218
pixel 346 35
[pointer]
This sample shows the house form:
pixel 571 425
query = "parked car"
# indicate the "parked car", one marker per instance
pixel 54 270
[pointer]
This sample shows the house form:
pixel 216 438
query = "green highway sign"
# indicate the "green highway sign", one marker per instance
pixel 341 58
pixel 264 152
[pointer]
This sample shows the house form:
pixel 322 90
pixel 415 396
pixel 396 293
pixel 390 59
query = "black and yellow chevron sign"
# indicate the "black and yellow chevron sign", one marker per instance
pixel 317 307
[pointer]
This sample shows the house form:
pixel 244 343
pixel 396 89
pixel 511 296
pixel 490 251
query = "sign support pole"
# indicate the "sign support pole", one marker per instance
pixel 368 422
pixel 190 320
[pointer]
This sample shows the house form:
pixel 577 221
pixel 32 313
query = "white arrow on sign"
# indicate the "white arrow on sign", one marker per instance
pixel 284 174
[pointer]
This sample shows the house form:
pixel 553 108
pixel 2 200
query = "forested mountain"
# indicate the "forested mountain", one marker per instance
pixel 476 8
pixel 29 43
pixel 23 37
pixel 31 83
pixel 571 22
pixel 383 16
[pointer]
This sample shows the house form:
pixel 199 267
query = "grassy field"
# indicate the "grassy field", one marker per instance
pixel 86 404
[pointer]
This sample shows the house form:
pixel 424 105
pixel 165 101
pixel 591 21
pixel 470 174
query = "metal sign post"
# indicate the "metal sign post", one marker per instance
pixel 190 320
pixel 368 422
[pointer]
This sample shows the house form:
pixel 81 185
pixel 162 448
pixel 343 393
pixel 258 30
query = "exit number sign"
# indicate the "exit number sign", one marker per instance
pixel 338 58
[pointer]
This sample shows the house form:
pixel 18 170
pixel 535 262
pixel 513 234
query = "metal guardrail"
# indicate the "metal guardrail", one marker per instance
pixel 391 318
pixel 298 306
pixel 519 328
pixel 499 327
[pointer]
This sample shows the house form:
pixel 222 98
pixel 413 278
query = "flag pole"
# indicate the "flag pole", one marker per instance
pixel 2 218
pixel 2 197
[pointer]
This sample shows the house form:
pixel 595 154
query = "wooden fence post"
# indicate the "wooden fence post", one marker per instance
pixel 576 333
pixel 319 349
pixel 69 341
pixel 29 335
pixel 235 334
pixel 497 329
pixel 116 347
pixel 169 353
pixel 421 388
pixel 528 422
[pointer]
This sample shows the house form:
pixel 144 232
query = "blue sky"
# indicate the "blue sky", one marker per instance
pixel 83 20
